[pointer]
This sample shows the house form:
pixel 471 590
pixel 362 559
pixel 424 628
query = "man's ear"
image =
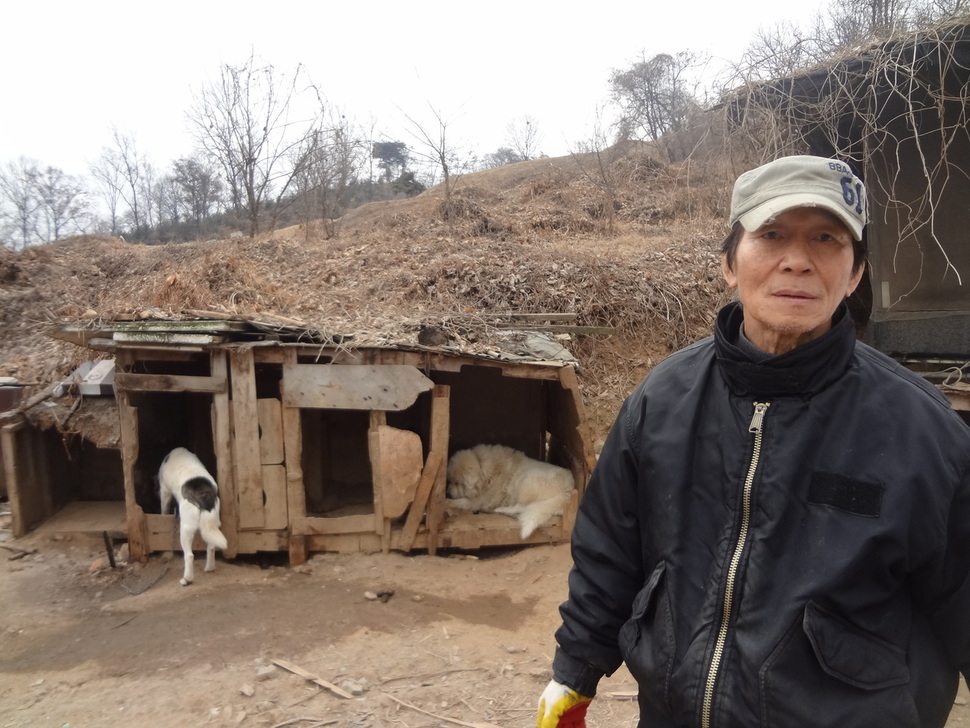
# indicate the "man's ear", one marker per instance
pixel 729 276
pixel 855 280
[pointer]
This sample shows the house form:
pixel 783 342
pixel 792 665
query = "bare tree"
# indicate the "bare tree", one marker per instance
pixel 654 95
pixel 334 157
pixel 110 182
pixel 778 51
pixel 242 121
pixel 436 150
pixel 19 200
pixel 132 170
pixel 197 189
pixel 501 157
pixel 596 158
pixel 523 136
pixel 63 204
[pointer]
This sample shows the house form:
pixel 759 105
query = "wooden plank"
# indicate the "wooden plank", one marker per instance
pixel 248 477
pixel 12 472
pixel 345 543
pixel 158 337
pixel 88 517
pixel 387 388
pixel 572 415
pixel 419 504
pixel 274 490
pixel 377 420
pixel 531 317
pixel 134 514
pixel 251 542
pixel 248 542
pixel 293 458
pixel 569 511
pixel 296 669
pixel 314 525
pixel 179 326
pixel 163 534
pixel 557 328
pixel 401 462
pixel 269 414
pixel 440 428
pixel 222 444
pixel 169 383
pixel 296 547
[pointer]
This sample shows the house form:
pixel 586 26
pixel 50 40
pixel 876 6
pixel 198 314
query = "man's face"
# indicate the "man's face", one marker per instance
pixel 791 275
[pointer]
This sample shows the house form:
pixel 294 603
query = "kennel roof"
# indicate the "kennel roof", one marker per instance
pixel 535 338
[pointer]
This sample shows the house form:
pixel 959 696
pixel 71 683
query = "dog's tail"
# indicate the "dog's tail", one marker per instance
pixel 209 528
pixel 535 514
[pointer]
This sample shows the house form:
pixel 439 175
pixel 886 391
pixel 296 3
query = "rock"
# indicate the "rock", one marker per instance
pixel 247 690
pixel 265 672
pixel 354 687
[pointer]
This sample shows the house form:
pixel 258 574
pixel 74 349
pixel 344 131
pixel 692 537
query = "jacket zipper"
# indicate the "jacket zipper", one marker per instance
pixel 757 419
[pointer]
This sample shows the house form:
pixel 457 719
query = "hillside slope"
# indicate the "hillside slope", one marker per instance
pixel 532 237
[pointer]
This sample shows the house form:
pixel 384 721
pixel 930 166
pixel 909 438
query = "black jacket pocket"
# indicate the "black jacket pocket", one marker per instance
pixel 647 639
pixel 828 672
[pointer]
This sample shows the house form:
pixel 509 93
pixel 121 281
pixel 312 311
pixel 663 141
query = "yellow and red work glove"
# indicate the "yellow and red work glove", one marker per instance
pixel 562 707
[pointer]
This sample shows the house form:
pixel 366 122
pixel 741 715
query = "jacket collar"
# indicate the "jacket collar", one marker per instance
pixel 803 371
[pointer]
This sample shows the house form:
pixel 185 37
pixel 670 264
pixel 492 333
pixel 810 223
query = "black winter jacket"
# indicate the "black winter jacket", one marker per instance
pixel 776 544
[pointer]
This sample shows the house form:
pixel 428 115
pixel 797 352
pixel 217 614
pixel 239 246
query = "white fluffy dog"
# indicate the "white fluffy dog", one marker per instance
pixel 499 479
pixel 185 478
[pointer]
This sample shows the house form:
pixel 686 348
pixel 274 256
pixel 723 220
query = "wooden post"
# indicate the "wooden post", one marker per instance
pixel 420 503
pixel 245 426
pixel 381 526
pixel 293 462
pixel 135 515
pixel 11 460
pixel 440 425
pixel 221 438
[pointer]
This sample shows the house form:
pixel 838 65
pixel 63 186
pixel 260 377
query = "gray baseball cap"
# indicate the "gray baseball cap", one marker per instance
pixel 761 194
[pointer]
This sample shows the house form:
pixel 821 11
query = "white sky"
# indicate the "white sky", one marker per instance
pixel 73 70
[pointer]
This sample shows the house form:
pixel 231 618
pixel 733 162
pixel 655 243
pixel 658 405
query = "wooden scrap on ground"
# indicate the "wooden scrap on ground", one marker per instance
pixel 442 717
pixel 297 670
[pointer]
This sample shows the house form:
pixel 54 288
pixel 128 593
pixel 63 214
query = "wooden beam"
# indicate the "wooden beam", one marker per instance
pixel 135 515
pixel 222 444
pixel 440 432
pixel 345 543
pixel 293 462
pixel 149 337
pixel 345 387
pixel 274 493
pixel 377 421
pixel 270 417
pixel 12 472
pixel 245 426
pixel 418 506
pixel 314 525
pixel 169 383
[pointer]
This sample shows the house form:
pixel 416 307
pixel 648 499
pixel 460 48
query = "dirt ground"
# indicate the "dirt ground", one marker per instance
pixel 462 639
pixel 453 639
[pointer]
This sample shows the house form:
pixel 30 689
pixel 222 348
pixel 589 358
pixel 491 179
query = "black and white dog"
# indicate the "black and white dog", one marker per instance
pixel 185 478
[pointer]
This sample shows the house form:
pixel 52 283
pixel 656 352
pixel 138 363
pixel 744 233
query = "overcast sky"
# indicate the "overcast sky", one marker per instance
pixel 72 70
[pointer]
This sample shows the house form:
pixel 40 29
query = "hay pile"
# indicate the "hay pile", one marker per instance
pixel 529 238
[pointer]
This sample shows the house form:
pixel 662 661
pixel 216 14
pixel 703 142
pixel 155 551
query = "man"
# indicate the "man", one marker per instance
pixel 777 532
